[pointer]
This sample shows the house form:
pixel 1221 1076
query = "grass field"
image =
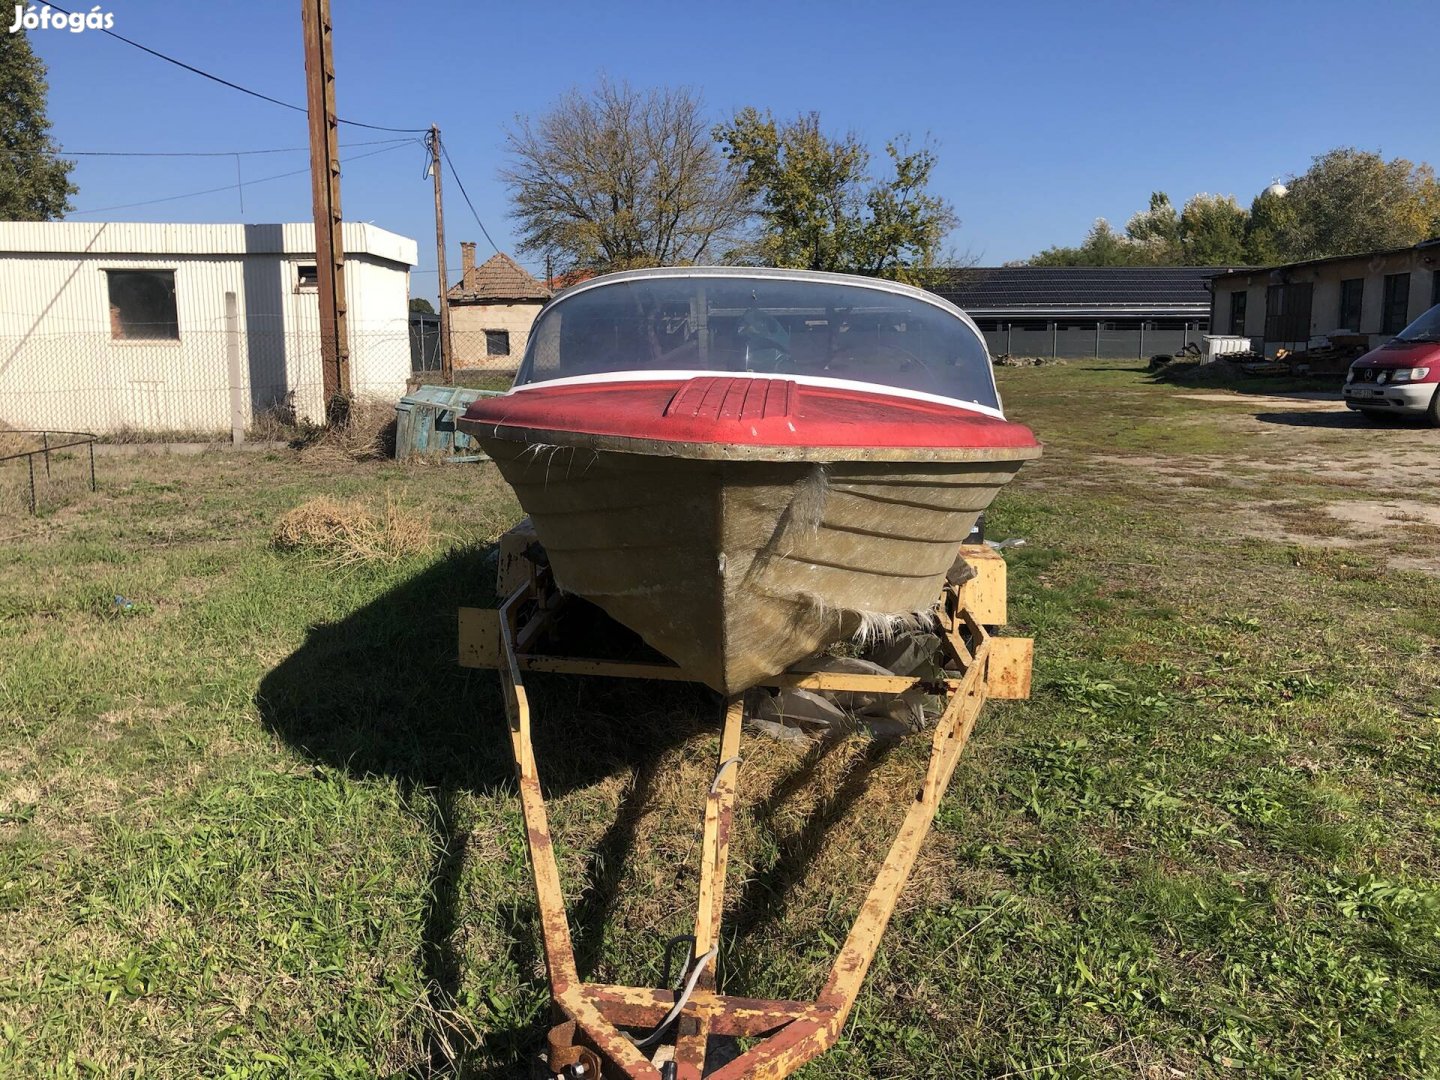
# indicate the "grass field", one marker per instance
pixel 254 822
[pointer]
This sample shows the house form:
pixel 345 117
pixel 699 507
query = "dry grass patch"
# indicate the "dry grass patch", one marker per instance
pixel 367 435
pixel 350 533
pixel 17 442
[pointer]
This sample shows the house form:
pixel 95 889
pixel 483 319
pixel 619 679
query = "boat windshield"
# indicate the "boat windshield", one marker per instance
pixel 771 325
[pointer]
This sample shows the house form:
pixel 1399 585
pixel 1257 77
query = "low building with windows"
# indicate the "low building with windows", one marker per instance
pixel 1373 295
pixel 108 325
pixel 492 308
pixel 1074 312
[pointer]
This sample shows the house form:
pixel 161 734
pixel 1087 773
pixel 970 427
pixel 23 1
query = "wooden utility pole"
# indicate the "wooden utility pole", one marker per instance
pixel 325 187
pixel 447 360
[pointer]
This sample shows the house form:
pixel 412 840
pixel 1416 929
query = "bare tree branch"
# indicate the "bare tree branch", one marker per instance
pixel 618 178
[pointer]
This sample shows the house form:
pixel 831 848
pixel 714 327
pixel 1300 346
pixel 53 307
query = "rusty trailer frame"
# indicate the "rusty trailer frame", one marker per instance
pixel 589 1040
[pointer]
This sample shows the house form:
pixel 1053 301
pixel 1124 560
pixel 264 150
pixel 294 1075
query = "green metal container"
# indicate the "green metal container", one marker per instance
pixel 425 424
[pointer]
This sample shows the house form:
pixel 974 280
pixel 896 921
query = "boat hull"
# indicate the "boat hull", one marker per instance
pixel 736 569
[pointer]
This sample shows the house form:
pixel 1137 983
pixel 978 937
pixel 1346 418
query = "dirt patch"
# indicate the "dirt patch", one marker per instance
pixel 1384 518
pixel 1303 399
pixel 1394 473
pixel 1387 531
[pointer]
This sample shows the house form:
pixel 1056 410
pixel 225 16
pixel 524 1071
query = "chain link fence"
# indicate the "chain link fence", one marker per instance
pixel 209 380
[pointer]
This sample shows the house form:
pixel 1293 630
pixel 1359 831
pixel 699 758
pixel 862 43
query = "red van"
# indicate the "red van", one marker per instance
pixel 1403 375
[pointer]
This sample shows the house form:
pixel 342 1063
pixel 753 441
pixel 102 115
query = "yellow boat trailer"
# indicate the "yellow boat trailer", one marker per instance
pixel 589 1041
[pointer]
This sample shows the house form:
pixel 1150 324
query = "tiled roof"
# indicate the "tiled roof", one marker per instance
pixel 570 277
pixel 1089 289
pixel 498 278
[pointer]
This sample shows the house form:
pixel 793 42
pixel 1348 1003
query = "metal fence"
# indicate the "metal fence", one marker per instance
pixel 206 380
pixel 1077 339
pixel 43 470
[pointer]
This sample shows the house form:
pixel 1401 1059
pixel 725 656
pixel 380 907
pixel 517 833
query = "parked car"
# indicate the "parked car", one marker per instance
pixel 1403 375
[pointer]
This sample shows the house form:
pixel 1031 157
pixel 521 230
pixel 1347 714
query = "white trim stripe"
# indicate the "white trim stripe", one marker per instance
pixel 602 377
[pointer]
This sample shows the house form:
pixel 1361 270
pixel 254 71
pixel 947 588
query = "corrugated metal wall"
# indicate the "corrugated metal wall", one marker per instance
pixel 1080 339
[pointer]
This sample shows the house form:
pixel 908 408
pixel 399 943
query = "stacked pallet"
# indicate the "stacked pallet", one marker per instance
pixel 1332 359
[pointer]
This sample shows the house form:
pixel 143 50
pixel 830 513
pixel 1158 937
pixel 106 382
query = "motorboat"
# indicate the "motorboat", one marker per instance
pixel 745 466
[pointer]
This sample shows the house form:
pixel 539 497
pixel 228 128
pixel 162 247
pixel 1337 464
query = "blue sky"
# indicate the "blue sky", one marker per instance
pixel 1045 115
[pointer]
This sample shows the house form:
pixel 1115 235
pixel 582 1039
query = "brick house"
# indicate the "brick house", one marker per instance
pixel 492 307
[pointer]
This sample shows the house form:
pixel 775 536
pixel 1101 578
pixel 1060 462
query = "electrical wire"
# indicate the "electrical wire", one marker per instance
pixel 186 195
pixel 220 153
pixel 61 152
pixel 226 187
pixel 468 203
pixel 681 1001
pixel 236 86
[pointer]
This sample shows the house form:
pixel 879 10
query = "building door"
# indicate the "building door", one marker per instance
pixel 1237 312
pixel 1287 315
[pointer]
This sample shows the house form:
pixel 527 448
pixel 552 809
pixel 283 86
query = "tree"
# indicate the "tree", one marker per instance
pixel 423 306
pixel 34 180
pixel 1103 246
pixel 1348 201
pixel 1272 222
pixel 619 178
pixel 819 207
pixel 1157 230
pixel 1212 231
pixel 1352 200
pixel 1209 231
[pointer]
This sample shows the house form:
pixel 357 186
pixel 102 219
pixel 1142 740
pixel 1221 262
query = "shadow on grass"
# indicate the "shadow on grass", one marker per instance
pixel 1347 420
pixel 763 898
pixel 1196 377
pixel 379 693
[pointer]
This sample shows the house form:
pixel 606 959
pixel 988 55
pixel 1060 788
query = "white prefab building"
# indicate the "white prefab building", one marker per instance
pixel 105 326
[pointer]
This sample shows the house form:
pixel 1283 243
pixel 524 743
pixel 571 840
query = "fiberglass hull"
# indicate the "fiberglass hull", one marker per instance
pixel 736 569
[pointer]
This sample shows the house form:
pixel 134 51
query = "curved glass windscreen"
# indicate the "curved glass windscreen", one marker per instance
pixel 777 326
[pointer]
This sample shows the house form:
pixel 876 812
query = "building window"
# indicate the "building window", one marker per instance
pixel 142 305
pixel 1397 303
pixel 307 278
pixel 1287 314
pixel 1237 312
pixel 497 342
pixel 1352 295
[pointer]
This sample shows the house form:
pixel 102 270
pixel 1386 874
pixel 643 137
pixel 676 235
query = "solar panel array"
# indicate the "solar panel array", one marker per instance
pixel 1123 288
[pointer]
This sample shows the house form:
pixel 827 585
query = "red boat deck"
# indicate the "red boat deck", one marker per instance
pixel 747 411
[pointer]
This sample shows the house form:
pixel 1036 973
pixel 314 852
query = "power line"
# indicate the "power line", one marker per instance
pixel 225 187
pixel 530 266
pixel 468 203
pixel 236 86
pixel 219 153
pixel 186 195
